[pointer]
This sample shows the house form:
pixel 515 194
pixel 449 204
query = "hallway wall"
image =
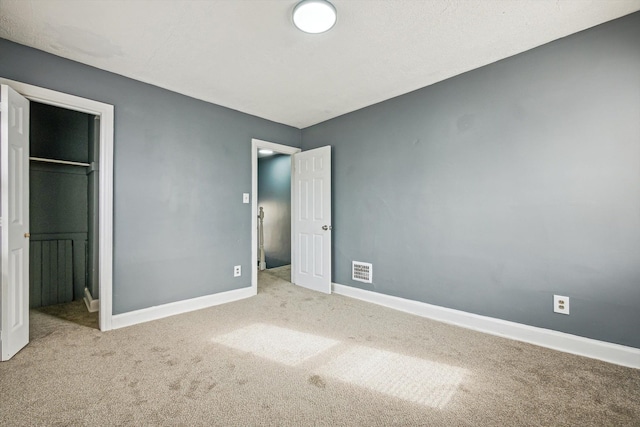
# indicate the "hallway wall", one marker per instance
pixel 274 195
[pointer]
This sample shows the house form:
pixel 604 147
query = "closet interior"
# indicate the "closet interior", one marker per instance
pixel 63 197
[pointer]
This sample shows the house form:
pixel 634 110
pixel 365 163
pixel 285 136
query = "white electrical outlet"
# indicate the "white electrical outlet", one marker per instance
pixel 560 304
pixel 245 197
pixel 237 270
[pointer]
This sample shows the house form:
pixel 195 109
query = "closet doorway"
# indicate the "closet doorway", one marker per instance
pixel 19 309
pixel 63 198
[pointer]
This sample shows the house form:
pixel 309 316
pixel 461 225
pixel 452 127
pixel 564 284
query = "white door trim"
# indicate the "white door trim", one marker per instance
pixel 105 232
pixel 257 144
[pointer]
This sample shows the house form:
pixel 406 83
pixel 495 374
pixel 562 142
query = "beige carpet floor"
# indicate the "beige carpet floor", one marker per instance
pixel 293 357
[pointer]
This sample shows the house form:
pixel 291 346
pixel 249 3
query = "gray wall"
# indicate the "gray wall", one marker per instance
pixel 274 195
pixel 180 168
pixel 493 190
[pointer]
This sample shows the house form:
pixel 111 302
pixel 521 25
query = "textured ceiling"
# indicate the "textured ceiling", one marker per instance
pixel 247 55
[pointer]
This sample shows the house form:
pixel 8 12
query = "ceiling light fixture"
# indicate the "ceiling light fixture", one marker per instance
pixel 314 16
pixel 265 151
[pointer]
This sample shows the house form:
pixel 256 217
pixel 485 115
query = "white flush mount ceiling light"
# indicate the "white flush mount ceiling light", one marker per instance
pixel 314 16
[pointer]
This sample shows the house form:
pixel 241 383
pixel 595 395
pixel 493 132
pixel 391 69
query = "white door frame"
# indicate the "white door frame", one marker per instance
pixel 105 229
pixel 257 144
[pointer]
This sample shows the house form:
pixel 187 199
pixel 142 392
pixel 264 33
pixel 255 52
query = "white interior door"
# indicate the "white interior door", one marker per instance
pixel 311 220
pixel 14 181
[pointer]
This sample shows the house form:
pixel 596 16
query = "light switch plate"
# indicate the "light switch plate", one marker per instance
pixel 245 197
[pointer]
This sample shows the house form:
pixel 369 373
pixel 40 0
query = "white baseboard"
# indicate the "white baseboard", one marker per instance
pixel 601 350
pixel 93 305
pixel 160 311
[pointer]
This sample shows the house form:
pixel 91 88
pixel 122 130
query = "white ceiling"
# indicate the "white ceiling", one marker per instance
pixel 247 55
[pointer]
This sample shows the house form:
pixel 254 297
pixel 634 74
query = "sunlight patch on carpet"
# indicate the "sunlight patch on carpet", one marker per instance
pixel 278 344
pixel 408 378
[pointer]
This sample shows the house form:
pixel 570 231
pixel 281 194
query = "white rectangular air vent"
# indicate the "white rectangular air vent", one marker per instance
pixel 362 272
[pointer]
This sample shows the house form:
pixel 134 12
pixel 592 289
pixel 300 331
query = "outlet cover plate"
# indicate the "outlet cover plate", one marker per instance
pixel 560 304
pixel 237 270
pixel 245 197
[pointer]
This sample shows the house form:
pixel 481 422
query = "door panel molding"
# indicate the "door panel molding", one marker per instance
pixel 14 324
pixel 311 219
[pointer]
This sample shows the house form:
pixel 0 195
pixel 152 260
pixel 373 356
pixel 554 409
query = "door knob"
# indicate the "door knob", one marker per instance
pixel 27 235
pixel 326 227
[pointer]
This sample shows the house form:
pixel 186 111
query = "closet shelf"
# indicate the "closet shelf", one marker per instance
pixel 62 162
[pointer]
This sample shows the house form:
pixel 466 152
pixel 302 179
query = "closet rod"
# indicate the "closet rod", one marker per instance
pixel 62 162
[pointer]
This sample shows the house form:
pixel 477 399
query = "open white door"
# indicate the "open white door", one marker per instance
pixel 311 219
pixel 14 181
